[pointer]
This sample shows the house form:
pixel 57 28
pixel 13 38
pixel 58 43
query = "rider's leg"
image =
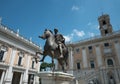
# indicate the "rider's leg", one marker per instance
pixel 61 51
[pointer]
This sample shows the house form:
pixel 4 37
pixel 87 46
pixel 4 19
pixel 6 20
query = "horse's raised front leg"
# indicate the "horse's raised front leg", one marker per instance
pixel 42 60
pixel 44 55
pixel 37 56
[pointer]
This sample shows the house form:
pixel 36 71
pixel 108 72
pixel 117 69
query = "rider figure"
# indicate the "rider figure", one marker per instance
pixel 60 40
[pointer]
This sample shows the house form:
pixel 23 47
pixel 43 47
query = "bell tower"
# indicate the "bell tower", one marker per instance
pixel 105 26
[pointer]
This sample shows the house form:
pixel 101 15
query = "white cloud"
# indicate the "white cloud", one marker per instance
pixel 75 33
pixel 78 33
pixel 93 25
pixel 91 34
pixel 75 8
pixel 67 38
pixel 89 24
pixel 98 27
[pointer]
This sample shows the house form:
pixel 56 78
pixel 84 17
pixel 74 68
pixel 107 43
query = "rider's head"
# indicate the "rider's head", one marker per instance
pixel 56 31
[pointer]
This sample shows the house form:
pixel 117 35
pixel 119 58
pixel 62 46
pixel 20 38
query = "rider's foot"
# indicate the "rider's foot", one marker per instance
pixel 41 60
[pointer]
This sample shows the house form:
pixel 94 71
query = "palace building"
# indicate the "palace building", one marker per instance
pixel 97 60
pixel 92 61
pixel 17 63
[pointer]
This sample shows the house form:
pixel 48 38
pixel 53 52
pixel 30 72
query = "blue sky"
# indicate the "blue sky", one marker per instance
pixel 75 19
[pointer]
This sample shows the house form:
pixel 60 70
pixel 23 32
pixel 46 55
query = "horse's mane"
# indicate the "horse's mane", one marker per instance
pixel 48 30
pixel 51 31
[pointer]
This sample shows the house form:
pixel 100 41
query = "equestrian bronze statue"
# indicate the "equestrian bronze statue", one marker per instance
pixel 55 47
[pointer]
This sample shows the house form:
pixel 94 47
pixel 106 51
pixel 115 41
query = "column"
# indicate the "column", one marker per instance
pixel 21 78
pixel 105 77
pixel 25 77
pixel 118 73
pixel 9 73
pixel 84 57
pixel 34 80
pixel 76 81
pixel 36 76
pixel 71 60
pixel 102 80
pixel 117 49
pixel 2 77
pixel 116 76
pixel 99 56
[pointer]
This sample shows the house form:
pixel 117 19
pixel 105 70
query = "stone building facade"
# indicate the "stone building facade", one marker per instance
pixel 17 63
pixel 97 60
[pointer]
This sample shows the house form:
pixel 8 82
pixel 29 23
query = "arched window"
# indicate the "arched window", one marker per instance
pixel 78 65
pixel 104 22
pixel 92 64
pixel 110 62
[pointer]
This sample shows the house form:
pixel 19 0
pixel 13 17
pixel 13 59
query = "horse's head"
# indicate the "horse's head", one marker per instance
pixel 47 33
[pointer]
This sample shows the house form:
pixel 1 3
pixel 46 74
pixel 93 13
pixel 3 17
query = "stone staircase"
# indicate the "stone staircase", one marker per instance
pixel 99 76
pixel 87 77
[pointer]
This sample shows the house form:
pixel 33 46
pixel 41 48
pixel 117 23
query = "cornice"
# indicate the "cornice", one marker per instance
pixel 15 36
pixel 95 39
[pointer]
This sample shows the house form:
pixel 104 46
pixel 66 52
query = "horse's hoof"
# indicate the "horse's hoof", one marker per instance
pixel 41 60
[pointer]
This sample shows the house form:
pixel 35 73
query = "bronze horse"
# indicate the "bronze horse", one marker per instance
pixel 51 49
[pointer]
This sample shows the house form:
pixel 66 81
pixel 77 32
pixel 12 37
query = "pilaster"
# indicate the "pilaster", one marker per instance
pixel 9 73
pixel 71 60
pixel 21 78
pixel 117 48
pixel 99 56
pixel 2 77
pixel 84 58
pixel 25 76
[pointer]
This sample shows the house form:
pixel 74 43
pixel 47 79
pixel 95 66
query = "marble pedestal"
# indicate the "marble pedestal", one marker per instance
pixel 56 78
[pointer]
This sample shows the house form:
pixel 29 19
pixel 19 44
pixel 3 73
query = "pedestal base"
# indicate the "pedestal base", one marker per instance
pixel 56 78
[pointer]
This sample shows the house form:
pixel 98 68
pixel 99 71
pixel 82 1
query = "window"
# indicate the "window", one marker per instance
pixel 78 65
pixel 92 64
pixel 1 55
pixel 110 62
pixel 106 44
pixel 77 50
pixel 21 55
pixel 90 47
pixel 33 62
pixel 106 32
pixel 20 60
pixel 111 77
pixel 104 22
pixel 31 79
pixel 3 50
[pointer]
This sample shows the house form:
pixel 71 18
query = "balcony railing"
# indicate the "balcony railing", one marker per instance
pixel 17 34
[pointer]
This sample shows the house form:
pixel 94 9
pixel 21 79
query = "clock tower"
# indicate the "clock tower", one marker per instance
pixel 105 26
